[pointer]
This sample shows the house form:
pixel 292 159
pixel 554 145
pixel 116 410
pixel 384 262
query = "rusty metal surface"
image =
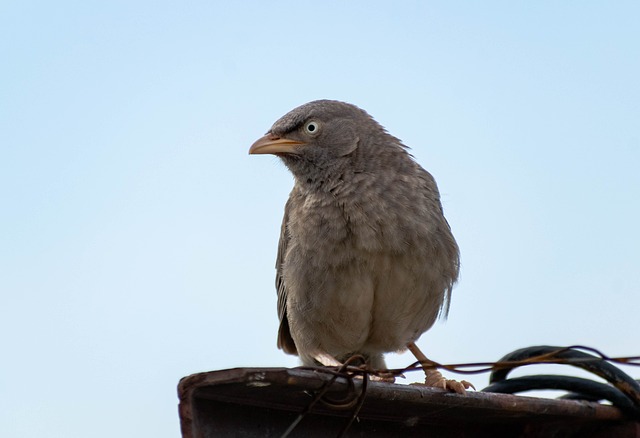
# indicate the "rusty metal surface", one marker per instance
pixel 263 402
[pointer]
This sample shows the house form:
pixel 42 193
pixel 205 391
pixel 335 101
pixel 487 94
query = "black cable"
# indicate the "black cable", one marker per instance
pixel 577 395
pixel 624 392
pixel 582 389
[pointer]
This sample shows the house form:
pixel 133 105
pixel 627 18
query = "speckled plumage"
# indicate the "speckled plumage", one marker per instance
pixel 366 259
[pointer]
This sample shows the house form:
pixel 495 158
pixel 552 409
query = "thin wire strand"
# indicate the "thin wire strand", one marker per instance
pixel 484 367
pixel 346 403
pixel 356 401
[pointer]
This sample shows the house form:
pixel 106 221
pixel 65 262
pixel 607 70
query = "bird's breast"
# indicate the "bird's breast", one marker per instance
pixel 355 273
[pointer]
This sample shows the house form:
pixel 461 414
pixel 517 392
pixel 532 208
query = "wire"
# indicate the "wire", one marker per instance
pixel 351 400
pixel 622 391
pixel 581 389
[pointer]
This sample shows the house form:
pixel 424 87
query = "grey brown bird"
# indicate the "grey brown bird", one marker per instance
pixel 366 260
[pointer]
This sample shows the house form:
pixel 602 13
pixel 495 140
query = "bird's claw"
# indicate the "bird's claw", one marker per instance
pixel 437 380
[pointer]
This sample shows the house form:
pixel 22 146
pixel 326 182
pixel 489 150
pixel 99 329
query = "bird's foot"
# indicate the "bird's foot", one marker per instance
pixel 328 360
pixel 435 379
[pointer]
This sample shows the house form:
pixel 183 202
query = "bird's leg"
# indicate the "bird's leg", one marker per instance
pixel 433 376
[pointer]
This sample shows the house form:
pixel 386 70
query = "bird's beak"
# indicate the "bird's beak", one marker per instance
pixel 272 144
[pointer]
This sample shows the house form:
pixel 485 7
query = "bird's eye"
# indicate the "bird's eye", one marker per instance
pixel 312 128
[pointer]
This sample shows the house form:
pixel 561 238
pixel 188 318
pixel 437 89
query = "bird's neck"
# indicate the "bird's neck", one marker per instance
pixel 312 178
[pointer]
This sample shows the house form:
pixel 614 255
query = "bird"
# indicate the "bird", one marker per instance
pixel 366 260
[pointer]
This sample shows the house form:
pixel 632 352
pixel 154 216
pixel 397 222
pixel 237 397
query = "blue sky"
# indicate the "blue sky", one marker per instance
pixel 138 238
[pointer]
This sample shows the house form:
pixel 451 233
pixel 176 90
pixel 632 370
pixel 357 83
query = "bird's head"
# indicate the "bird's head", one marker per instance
pixel 319 138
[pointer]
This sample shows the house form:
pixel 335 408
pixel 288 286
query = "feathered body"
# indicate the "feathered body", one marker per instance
pixel 366 259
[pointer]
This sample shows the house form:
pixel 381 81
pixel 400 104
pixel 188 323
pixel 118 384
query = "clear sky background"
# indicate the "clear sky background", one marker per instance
pixel 138 238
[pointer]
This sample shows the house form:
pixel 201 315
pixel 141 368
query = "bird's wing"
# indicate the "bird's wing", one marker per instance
pixel 450 247
pixel 285 341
